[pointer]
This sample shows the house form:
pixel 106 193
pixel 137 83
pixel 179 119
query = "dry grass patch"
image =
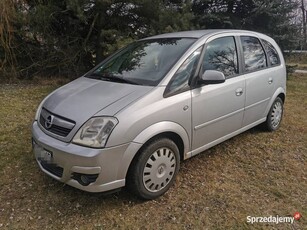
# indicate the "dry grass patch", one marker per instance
pixel 254 174
pixel 297 60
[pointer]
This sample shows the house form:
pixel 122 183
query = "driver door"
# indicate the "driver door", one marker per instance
pixel 217 109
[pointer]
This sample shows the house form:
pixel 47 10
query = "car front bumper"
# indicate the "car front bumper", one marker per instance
pixel 62 161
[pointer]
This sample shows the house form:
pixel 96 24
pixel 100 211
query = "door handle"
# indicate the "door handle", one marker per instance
pixel 239 92
pixel 270 80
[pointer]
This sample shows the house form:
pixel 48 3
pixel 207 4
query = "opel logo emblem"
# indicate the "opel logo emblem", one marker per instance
pixel 49 121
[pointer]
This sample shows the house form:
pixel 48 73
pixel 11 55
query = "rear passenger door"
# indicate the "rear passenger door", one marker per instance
pixel 258 77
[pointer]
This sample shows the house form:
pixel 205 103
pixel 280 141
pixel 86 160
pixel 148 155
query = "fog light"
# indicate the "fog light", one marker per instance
pixel 84 180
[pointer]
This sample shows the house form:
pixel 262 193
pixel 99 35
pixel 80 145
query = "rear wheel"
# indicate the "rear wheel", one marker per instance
pixel 275 115
pixel 153 172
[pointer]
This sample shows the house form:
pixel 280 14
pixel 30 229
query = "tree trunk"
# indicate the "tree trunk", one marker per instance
pixel 101 8
pixel 99 48
pixel 230 6
pixel 304 26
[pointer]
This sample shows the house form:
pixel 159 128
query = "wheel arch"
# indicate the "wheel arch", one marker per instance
pixel 167 129
pixel 280 92
pixel 170 135
pixel 282 96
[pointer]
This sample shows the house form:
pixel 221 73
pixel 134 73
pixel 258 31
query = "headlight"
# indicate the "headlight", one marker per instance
pixel 95 132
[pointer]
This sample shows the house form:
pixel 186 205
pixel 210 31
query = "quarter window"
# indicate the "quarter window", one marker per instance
pixel 254 56
pixel 273 57
pixel 180 81
pixel 221 55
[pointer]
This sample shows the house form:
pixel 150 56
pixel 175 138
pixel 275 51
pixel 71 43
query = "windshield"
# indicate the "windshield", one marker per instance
pixel 143 62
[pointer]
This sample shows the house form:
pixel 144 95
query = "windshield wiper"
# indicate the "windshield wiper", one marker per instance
pixel 111 77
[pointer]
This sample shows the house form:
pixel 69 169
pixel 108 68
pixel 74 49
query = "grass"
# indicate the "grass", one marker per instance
pixel 298 66
pixel 297 60
pixel 254 174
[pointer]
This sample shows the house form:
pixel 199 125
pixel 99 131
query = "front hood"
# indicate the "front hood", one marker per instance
pixel 82 98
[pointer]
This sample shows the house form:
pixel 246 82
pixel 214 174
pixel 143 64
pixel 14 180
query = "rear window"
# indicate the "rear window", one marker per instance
pixel 273 57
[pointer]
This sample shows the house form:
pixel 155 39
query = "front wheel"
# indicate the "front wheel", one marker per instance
pixel 154 170
pixel 275 115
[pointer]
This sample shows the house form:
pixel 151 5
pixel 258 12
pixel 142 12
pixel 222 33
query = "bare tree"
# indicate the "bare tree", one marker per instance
pixel 7 16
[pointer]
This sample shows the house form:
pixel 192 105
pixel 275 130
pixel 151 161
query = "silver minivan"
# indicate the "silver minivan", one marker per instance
pixel 133 118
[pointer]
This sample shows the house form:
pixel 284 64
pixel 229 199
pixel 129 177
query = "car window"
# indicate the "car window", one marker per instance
pixel 254 55
pixel 180 80
pixel 273 57
pixel 144 62
pixel 221 55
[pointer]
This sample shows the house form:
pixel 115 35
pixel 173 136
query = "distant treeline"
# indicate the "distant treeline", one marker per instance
pixel 68 37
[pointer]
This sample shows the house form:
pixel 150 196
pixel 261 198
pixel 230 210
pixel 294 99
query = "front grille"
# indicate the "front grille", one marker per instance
pixel 57 125
pixel 52 168
pixel 58 130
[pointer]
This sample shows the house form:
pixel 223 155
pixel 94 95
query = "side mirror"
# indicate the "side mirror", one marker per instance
pixel 212 77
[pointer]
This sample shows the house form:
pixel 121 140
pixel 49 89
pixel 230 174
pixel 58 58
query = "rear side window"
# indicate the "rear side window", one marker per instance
pixel 254 55
pixel 221 55
pixel 273 57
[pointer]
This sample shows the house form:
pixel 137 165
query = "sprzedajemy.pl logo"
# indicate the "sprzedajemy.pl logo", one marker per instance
pixel 273 219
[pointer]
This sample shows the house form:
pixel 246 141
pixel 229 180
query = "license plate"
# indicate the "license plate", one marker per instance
pixel 41 153
pixel 47 155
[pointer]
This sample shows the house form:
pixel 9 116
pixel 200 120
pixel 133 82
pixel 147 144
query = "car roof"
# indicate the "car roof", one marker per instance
pixel 197 33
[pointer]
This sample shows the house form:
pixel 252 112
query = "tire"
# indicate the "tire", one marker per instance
pixel 154 170
pixel 275 114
